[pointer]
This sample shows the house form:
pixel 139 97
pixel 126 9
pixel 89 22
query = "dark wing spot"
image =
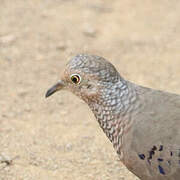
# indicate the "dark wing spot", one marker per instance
pixel 161 170
pixel 160 147
pixel 141 156
pixel 151 153
pixel 160 159
pixel 169 162
pixel 171 153
pixel 154 148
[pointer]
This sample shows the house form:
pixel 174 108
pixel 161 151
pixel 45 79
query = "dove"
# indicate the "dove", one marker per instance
pixel 143 124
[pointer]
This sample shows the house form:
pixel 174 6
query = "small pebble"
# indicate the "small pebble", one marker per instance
pixel 89 30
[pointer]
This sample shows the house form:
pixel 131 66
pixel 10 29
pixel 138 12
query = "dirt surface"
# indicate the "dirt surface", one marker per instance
pixel 59 138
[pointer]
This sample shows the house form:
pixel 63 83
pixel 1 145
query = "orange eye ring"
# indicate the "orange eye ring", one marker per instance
pixel 75 78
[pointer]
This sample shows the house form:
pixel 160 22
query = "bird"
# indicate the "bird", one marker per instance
pixel 142 123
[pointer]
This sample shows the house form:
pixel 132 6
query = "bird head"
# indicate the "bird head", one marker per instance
pixel 86 76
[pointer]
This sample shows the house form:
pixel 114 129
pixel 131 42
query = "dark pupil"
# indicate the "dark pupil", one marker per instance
pixel 75 79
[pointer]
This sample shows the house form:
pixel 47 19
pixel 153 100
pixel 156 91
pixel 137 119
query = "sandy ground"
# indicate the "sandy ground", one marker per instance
pixel 58 138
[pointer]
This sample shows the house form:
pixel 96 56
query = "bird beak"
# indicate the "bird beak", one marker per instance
pixel 58 86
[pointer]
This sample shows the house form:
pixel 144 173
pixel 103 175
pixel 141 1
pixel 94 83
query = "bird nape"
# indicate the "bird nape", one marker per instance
pixel 142 123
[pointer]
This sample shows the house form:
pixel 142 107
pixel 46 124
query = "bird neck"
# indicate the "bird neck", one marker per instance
pixel 113 110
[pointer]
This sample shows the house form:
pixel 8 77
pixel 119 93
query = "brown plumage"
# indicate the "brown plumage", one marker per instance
pixel 143 124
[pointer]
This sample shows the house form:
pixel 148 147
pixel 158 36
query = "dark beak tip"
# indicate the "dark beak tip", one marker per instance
pixel 46 95
pixel 50 92
pixel 59 85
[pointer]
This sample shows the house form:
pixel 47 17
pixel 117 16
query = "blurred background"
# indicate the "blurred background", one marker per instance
pixel 59 138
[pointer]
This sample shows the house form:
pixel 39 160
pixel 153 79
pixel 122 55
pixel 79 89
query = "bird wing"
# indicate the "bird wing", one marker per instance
pixel 154 139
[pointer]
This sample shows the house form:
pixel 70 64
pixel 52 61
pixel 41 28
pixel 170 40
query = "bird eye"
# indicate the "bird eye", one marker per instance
pixel 75 78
